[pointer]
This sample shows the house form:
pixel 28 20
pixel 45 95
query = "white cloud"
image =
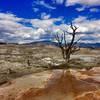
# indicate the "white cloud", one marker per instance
pixel 44 24
pixel 9 16
pixel 80 9
pixel 45 16
pixel 12 29
pixel 35 9
pixel 52 5
pixel 58 1
pixel 89 25
pixel 80 19
pixel 83 2
pixel 90 29
pixel 94 10
pixel 42 3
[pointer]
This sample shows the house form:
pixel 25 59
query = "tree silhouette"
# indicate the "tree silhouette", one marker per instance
pixel 68 48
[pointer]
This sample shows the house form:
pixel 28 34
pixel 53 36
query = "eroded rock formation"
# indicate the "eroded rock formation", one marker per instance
pixel 53 85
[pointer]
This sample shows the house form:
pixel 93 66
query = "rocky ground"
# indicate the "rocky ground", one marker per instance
pixel 43 56
pixel 36 73
pixel 54 85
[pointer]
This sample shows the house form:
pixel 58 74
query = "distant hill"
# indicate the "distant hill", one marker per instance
pixel 90 45
pixel 49 42
pixel 84 45
pixel 46 42
pixel 3 43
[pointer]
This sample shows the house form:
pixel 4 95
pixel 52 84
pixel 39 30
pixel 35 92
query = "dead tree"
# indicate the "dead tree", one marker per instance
pixel 67 47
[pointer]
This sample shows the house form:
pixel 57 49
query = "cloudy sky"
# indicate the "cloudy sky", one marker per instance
pixel 31 20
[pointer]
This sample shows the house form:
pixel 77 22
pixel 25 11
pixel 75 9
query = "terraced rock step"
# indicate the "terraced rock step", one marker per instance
pixel 53 85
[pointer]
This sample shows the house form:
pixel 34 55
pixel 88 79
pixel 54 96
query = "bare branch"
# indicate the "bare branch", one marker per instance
pixel 76 42
pixel 70 47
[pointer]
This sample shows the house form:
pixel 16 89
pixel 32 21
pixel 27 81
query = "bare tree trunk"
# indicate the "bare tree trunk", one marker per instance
pixel 63 53
pixel 67 48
